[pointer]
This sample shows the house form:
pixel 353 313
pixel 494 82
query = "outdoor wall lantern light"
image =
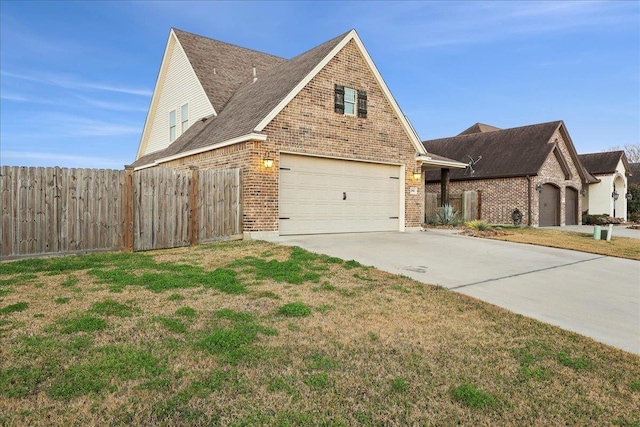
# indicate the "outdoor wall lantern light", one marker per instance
pixel 417 174
pixel 629 196
pixel 267 161
pixel 539 188
pixel 615 195
pixel 583 192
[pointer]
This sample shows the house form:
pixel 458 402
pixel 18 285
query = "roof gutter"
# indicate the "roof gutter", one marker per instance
pixel 439 164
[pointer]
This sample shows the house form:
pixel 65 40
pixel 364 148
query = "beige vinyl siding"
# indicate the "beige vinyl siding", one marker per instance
pixel 178 86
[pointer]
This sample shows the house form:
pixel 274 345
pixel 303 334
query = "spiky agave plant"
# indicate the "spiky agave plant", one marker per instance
pixel 448 216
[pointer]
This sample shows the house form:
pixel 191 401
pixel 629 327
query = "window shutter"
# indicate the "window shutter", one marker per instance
pixel 339 99
pixel 362 104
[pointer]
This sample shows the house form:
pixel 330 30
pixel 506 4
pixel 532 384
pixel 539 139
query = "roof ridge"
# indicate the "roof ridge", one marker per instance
pixel 227 43
pixel 620 152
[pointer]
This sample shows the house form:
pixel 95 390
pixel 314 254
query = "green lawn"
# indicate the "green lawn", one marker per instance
pixel 620 247
pixel 251 333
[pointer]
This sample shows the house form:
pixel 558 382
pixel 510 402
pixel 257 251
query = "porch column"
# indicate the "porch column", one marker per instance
pixel 444 186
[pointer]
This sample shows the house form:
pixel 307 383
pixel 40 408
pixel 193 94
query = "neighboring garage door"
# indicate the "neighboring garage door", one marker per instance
pixel 549 206
pixel 319 195
pixel 571 206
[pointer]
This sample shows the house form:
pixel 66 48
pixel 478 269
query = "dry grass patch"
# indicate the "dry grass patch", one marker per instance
pixel 620 247
pixel 309 340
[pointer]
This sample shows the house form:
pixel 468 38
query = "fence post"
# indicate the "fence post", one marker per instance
pixel 127 209
pixel 463 206
pixel 193 206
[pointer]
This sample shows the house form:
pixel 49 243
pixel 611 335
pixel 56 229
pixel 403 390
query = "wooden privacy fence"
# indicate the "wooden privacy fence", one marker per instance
pixel 173 209
pixel 467 203
pixel 55 210
pixel 59 210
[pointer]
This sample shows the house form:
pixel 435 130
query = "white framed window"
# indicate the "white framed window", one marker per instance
pixel 172 125
pixel 184 117
pixel 345 100
pixel 349 101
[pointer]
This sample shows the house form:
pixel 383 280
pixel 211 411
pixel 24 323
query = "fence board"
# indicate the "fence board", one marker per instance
pixel 8 226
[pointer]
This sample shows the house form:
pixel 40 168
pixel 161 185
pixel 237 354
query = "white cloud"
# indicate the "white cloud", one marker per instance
pixel 115 106
pixel 73 82
pixel 69 102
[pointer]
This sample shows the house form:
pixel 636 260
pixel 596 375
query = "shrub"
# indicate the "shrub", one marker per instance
pixel 633 205
pixel 448 216
pixel 601 219
pixel 478 224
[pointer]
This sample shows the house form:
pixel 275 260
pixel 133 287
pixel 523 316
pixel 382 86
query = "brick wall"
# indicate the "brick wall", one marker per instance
pixel 309 125
pixel 499 197
pixel 552 173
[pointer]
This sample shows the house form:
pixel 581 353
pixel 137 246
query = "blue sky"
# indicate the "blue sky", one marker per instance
pixel 76 78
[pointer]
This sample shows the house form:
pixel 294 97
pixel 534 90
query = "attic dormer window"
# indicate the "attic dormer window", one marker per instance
pixel 348 101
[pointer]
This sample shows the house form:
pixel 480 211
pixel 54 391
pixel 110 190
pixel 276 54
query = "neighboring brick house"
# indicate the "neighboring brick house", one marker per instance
pixel 321 142
pixel 608 194
pixel 534 169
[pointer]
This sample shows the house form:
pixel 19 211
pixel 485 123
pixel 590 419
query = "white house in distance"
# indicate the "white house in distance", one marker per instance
pixel 608 196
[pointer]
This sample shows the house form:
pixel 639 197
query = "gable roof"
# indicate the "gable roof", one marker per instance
pixel 478 128
pixel 604 163
pixel 506 153
pixel 221 67
pixel 255 103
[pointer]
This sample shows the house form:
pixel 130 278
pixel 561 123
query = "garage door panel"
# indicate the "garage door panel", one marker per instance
pixel 313 190
pixel 571 206
pixel 549 206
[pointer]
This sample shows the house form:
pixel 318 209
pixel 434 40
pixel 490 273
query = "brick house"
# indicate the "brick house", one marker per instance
pixel 534 169
pixel 612 171
pixel 321 142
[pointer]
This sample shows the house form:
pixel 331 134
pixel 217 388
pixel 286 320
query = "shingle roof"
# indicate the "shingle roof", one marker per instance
pixel 222 67
pixel 250 103
pixel 634 168
pixel 478 128
pixel 511 152
pixel 602 163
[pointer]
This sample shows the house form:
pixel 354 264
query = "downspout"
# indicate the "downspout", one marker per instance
pixel 528 200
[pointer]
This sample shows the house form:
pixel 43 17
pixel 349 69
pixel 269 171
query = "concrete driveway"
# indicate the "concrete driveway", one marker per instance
pixel 593 295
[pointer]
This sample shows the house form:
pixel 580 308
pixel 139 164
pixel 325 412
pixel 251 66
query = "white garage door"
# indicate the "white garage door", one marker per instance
pixel 320 195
